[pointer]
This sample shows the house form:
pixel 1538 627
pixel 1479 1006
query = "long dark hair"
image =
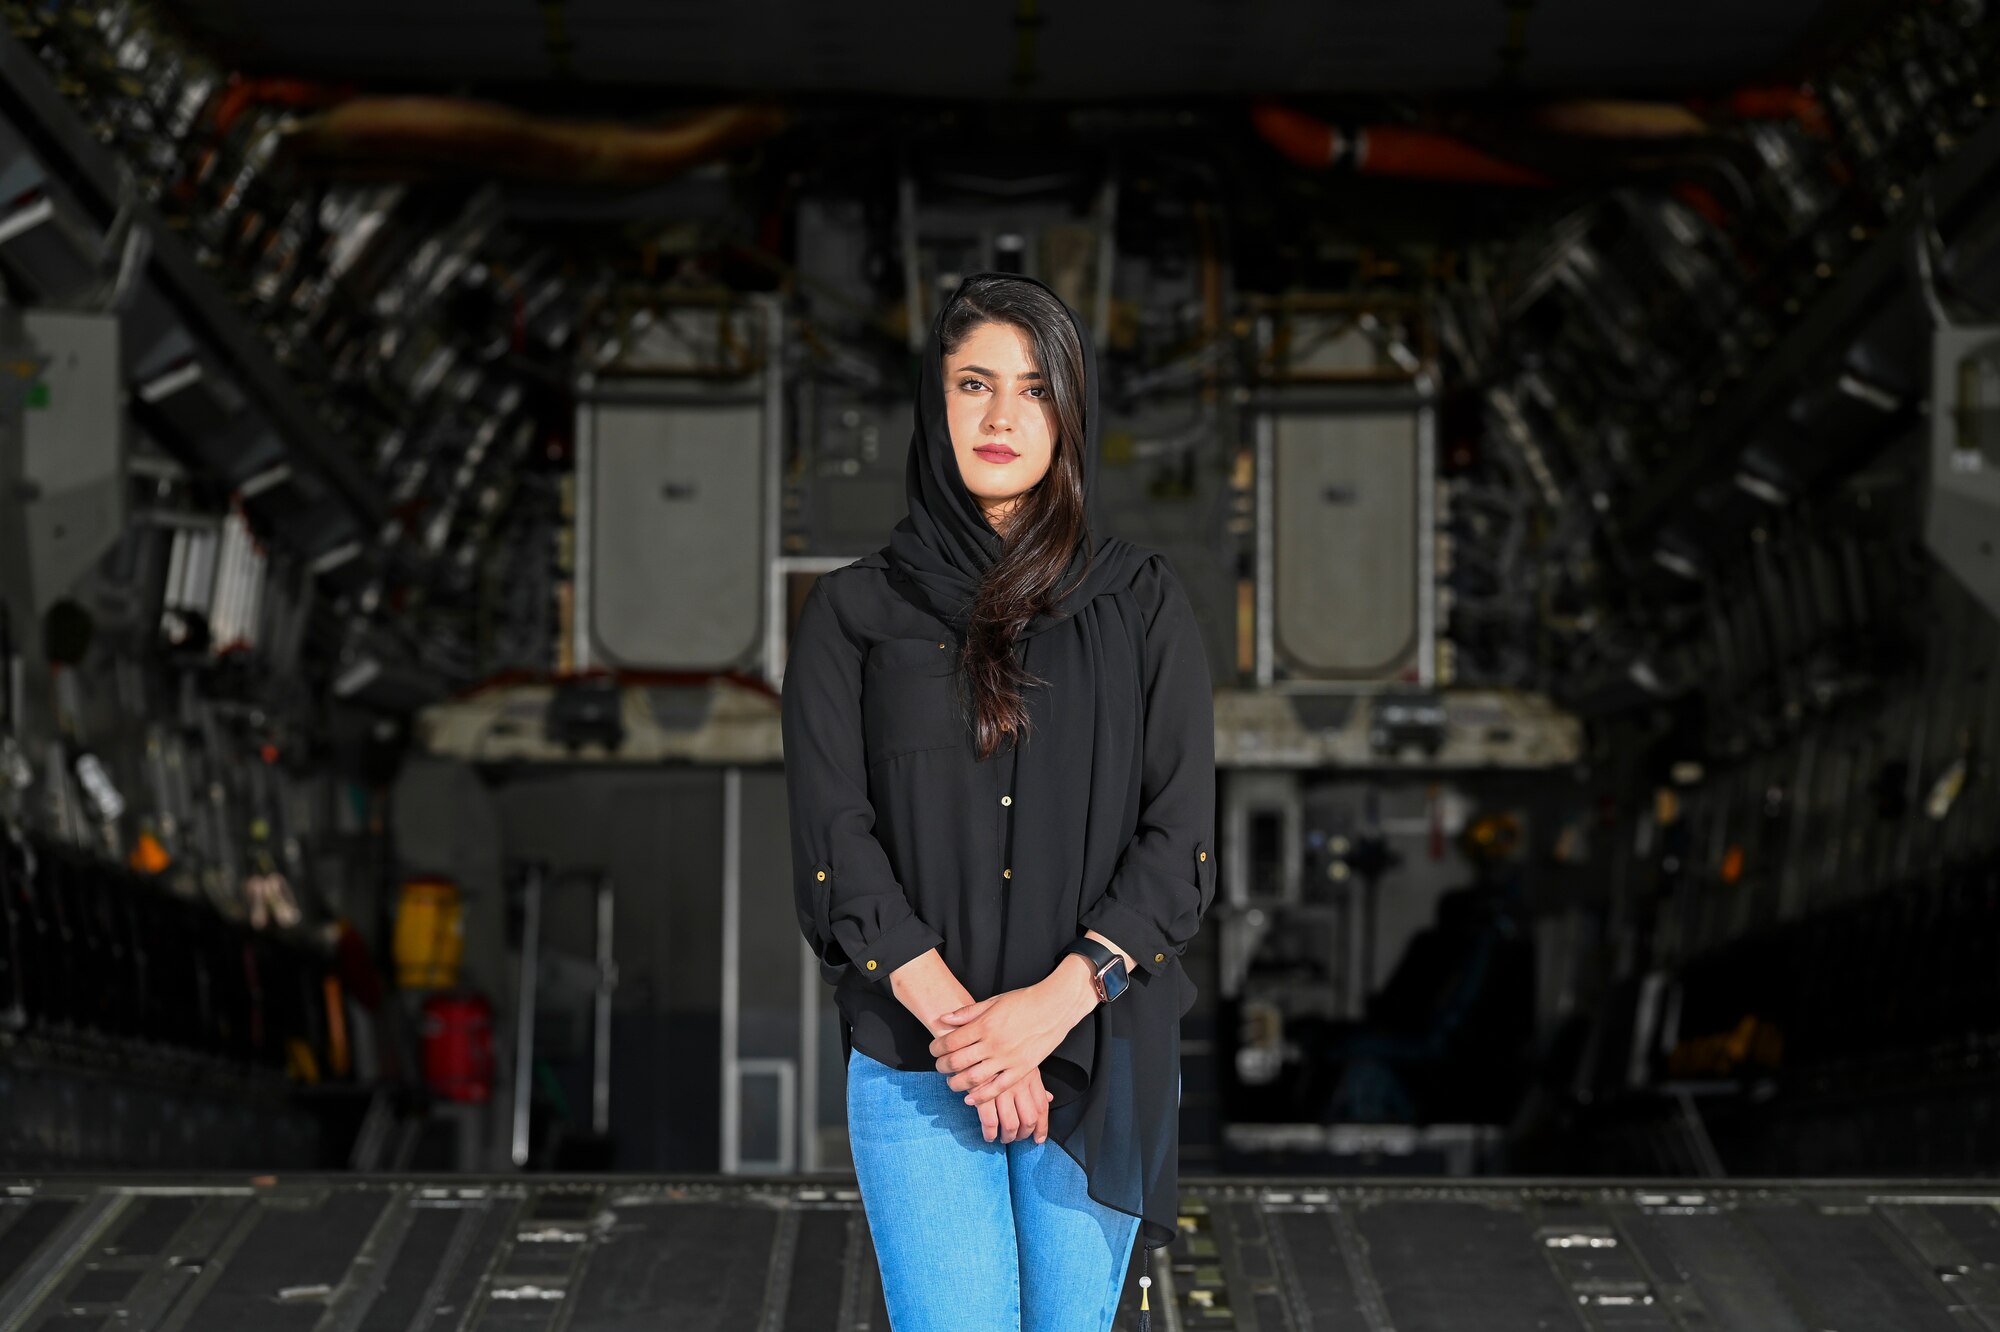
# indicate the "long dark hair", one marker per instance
pixel 1048 520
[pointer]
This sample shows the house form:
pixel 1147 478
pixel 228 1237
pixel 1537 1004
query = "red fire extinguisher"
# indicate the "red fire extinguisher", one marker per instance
pixel 458 1046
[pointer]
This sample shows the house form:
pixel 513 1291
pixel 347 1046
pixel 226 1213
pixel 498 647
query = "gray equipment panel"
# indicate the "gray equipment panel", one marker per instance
pixel 1962 525
pixel 73 448
pixel 1347 533
pixel 673 522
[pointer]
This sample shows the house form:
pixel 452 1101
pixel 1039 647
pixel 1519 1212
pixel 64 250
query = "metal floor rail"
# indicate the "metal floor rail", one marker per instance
pixel 384 1253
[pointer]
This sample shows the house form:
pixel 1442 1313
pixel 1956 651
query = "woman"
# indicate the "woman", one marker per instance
pixel 999 752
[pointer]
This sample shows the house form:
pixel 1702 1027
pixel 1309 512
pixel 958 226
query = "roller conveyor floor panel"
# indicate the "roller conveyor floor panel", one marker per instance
pixel 314 1253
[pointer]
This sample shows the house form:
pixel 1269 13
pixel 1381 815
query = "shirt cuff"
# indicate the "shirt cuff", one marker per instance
pixel 908 938
pixel 1131 932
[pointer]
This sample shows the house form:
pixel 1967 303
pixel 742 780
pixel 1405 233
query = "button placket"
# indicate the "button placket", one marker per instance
pixel 1007 803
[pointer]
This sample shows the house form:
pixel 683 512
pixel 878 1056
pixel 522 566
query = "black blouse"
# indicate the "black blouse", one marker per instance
pixel 903 840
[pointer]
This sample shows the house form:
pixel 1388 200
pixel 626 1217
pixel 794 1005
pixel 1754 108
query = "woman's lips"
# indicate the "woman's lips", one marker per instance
pixel 996 454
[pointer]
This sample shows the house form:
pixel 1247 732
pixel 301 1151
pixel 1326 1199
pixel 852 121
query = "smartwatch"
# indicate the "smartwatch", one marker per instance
pixel 1106 967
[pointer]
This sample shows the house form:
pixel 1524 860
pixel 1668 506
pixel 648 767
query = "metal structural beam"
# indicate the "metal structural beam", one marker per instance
pixel 96 178
pixel 1832 321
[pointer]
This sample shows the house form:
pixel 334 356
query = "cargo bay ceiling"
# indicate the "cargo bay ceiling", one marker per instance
pixel 1024 48
pixel 1639 245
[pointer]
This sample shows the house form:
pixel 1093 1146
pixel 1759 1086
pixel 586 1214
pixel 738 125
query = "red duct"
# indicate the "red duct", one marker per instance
pixel 1781 103
pixel 242 94
pixel 403 137
pixel 1605 118
pixel 1384 150
pixel 1703 202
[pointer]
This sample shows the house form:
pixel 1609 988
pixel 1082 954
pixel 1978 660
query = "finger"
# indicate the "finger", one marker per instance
pixel 989 1121
pixel 961 1035
pixel 1010 1119
pixel 957 1061
pixel 969 1011
pixel 974 1075
pixel 971 1072
pixel 1002 1079
pixel 1034 1120
pixel 951 1040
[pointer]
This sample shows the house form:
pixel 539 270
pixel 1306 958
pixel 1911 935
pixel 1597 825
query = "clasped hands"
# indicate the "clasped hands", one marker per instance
pixel 994 1053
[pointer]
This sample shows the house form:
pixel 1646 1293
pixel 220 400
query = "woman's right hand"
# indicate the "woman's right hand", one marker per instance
pixel 1018 1113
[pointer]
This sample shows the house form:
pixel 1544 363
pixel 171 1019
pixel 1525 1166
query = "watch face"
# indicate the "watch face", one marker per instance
pixel 1114 979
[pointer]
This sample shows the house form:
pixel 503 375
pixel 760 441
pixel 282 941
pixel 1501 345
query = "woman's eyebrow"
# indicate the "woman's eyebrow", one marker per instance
pixel 982 370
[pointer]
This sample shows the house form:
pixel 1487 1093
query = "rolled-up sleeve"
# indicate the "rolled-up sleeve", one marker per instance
pixel 851 907
pixel 1165 878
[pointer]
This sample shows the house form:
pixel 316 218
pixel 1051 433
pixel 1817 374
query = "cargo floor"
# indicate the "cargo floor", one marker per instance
pixel 606 1254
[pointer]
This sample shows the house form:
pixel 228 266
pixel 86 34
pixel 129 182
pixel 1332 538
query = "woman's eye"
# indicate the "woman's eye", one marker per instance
pixel 1044 392
pixel 966 383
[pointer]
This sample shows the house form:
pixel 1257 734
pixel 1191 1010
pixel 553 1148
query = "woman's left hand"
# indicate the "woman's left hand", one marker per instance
pixel 1000 1039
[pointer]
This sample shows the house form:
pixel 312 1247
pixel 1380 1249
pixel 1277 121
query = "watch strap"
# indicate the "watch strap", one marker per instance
pixel 1097 955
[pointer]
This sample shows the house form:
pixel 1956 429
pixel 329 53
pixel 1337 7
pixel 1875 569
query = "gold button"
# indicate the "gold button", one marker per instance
pixel 822 874
pixel 1007 873
pixel 940 645
pixel 1006 800
pixel 1159 957
pixel 871 964
pixel 1204 855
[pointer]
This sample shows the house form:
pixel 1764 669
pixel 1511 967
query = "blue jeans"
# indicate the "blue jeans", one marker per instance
pixel 971 1235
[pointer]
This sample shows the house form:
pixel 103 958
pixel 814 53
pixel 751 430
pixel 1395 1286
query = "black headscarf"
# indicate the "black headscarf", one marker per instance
pixel 943 546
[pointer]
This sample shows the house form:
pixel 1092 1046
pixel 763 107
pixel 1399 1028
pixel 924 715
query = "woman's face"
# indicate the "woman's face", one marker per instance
pixel 1002 417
